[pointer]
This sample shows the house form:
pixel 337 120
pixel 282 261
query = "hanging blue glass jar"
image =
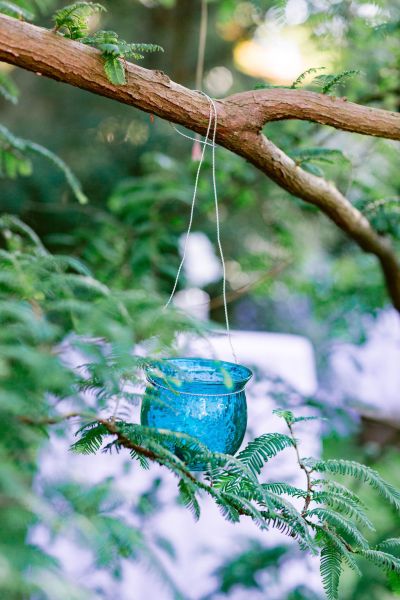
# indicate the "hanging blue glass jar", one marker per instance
pixel 199 397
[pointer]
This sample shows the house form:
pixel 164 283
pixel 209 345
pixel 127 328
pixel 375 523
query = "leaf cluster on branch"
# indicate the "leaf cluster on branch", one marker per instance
pixel 331 521
pixel 73 22
pixel 241 118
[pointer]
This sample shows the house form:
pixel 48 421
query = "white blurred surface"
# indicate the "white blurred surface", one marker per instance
pixel 370 373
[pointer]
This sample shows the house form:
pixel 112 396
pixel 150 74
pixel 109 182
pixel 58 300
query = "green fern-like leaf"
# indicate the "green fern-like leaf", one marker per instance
pixel 329 82
pixel 344 505
pixel 187 495
pixel 300 79
pixel 341 524
pixel 389 544
pixel 244 506
pixel 72 20
pixel 381 559
pixel 318 155
pixel 262 449
pixel 361 472
pixel 114 70
pixel 338 488
pixel 288 513
pixel 284 414
pixel 385 29
pixel 281 488
pixel 325 536
pixel 58 162
pixel 91 438
pixel 331 569
pixel 113 49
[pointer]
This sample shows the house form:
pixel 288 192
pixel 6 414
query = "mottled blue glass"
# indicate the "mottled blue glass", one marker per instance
pixel 200 397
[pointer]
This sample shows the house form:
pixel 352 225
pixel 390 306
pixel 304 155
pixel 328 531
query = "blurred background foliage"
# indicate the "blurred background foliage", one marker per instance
pixel 292 271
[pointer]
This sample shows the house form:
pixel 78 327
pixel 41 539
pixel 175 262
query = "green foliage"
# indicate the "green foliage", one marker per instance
pixel 327 81
pixel 114 70
pixel 72 20
pixel 332 80
pixel 14 160
pixel 300 79
pixel 113 50
pixel 48 297
pixel 331 568
pixel 187 495
pixel 331 515
pixel 310 158
pixel 363 473
pixel 262 449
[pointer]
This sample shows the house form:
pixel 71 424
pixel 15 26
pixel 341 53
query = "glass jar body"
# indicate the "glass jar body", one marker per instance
pixel 218 421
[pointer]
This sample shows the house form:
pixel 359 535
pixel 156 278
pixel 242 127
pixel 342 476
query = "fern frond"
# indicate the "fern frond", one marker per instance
pixel 344 505
pixel 339 523
pixel 328 82
pixel 302 419
pixel 228 511
pixel 281 524
pixel 114 70
pixel 361 472
pixel 91 438
pixel 72 20
pixel 285 414
pixel 319 155
pixel 300 79
pixel 114 49
pixel 331 570
pixel 338 488
pixel 327 536
pixel 135 48
pixel 244 506
pixel 389 544
pixel 280 488
pixel 187 495
pixel 389 28
pixel 295 520
pixel 260 450
pixel 381 559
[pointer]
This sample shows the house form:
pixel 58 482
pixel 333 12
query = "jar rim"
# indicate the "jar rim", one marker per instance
pixel 185 374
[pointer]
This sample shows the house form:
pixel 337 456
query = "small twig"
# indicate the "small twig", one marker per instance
pixel 304 468
pixel 48 420
pixel 235 294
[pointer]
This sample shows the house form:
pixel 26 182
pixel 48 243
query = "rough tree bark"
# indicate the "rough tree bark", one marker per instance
pixel 241 118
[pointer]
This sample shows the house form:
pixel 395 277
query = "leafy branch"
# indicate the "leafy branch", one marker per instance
pixel 331 516
pixel 73 22
pixel 331 81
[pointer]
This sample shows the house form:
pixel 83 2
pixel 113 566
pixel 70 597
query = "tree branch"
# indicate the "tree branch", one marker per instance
pixel 240 120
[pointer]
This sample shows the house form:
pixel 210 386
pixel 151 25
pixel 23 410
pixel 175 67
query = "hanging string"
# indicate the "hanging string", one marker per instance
pixel 196 183
pixel 213 120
